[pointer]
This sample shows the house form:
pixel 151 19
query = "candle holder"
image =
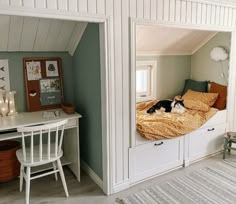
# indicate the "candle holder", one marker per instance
pixel 11 103
pixel 4 109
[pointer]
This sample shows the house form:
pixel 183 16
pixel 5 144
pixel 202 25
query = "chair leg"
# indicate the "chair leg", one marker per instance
pixel 21 177
pixel 225 148
pixel 27 189
pixel 62 177
pixel 55 168
pixel 229 148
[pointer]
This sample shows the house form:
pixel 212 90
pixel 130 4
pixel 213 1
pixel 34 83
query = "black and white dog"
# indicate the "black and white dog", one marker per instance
pixel 176 106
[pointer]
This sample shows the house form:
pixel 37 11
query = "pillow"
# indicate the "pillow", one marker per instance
pixel 222 91
pixel 196 105
pixel 207 98
pixel 200 86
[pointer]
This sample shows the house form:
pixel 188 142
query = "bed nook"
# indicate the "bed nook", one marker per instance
pixel 181 97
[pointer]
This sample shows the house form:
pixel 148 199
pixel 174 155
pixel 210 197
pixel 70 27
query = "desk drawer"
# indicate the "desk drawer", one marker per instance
pixel 71 123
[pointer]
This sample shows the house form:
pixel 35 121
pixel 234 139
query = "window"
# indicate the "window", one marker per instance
pixel 145 80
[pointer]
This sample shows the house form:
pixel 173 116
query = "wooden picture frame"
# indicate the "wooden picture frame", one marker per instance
pixel 43 83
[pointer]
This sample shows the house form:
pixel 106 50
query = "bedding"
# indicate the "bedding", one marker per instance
pixel 222 91
pixel 200 86
pixel 162 125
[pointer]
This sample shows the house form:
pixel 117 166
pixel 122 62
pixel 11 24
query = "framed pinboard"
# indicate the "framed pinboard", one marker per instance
pixel 43 83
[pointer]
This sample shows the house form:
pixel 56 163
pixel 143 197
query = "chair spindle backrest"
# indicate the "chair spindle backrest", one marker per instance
pixel 43 131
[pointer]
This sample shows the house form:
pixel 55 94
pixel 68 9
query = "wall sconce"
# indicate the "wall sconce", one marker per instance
pixel 7 103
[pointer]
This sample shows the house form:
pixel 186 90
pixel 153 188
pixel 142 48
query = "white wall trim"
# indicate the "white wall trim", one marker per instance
pixel 160 53
pixel 91 174
pixel 203 42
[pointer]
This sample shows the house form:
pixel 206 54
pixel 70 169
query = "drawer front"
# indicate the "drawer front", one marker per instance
pixel 206 141
pixel 156 157
pixel 71 123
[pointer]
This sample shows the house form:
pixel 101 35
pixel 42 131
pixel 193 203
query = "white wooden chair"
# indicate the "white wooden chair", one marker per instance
pixel 40 154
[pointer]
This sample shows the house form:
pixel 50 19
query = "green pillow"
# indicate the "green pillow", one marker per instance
pixel 200 86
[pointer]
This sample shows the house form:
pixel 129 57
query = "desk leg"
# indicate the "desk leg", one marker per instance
pixel 71 150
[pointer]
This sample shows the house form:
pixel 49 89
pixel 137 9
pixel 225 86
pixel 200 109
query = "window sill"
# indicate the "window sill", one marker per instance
pixel 144 99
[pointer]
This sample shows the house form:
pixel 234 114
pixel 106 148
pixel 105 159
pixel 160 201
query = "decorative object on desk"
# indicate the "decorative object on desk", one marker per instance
pixel 51 69
pixel 46 92
pixel 4 76
pixel 9 164
pixel 68 108
pixel 7 103
pixel 33 70
pixel 51 114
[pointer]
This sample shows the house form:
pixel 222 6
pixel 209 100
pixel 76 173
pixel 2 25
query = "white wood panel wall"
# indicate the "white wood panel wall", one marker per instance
pixel 195 12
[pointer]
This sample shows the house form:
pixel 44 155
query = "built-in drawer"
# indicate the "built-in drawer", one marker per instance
pixel 204 141
pixel 156 157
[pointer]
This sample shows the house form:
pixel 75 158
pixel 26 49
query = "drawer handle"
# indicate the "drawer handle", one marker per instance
pixel 158 144
pixel 212 129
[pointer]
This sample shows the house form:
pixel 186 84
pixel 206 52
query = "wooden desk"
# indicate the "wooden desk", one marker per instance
pixel 71 151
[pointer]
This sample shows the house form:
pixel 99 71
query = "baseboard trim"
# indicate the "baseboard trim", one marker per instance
pixel 91 173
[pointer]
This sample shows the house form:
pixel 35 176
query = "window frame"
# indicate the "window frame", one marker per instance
pixel 151 93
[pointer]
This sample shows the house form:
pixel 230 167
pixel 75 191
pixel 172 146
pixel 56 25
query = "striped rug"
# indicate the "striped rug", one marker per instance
pixel 215 184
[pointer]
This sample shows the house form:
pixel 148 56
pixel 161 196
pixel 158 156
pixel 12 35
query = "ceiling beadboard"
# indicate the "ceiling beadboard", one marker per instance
pixel 39 35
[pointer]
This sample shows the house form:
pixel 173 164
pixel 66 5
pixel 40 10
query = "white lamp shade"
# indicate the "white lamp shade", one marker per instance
pixel 219 54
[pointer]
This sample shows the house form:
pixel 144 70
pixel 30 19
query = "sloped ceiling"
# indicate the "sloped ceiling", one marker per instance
pixel 38 34
pixel 159 40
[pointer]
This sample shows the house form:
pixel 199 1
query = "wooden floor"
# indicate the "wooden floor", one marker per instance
pixel 47 190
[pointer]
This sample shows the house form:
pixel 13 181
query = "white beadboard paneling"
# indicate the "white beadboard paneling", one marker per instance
pixel 226 16
pixel 126 76
pixel 213 15
pixel 189 12
pixel 28 35
pixel 172 10
pixel 4 2
pixel 199 13
pixel 160 9
pixel 208 14
pixel 64 36
pixel 230 17
pixel 73 5
pixel 52 4
pixel 42 34
pixel 83 6
pixel 119 92
pixel 178 11
pixel 204 13
pixel 40 4
pixel 166 10
pixel 133 8
pixel 55 28
pixel 62 5
pixel 14 39
pixel 194 12
pixel 140 8
pixel 78 32
pixel 4 25
pixel 153 9
pixel 217 20
pixel 92 6
pixel 28 3
pixel 222 15
pixel 101 6
pixel 234 17
pixel 147 9
pixel 109 8
pixel 183 11
pixel 16 2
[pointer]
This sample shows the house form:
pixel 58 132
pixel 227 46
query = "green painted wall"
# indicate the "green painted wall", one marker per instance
pixel 171 74
pixel 87 86
pixel 203 67
pixel 17 75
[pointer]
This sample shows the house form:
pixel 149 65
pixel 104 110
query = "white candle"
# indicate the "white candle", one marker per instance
pixel 11 102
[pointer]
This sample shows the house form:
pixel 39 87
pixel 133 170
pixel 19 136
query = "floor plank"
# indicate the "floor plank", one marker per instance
pixel 46 190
